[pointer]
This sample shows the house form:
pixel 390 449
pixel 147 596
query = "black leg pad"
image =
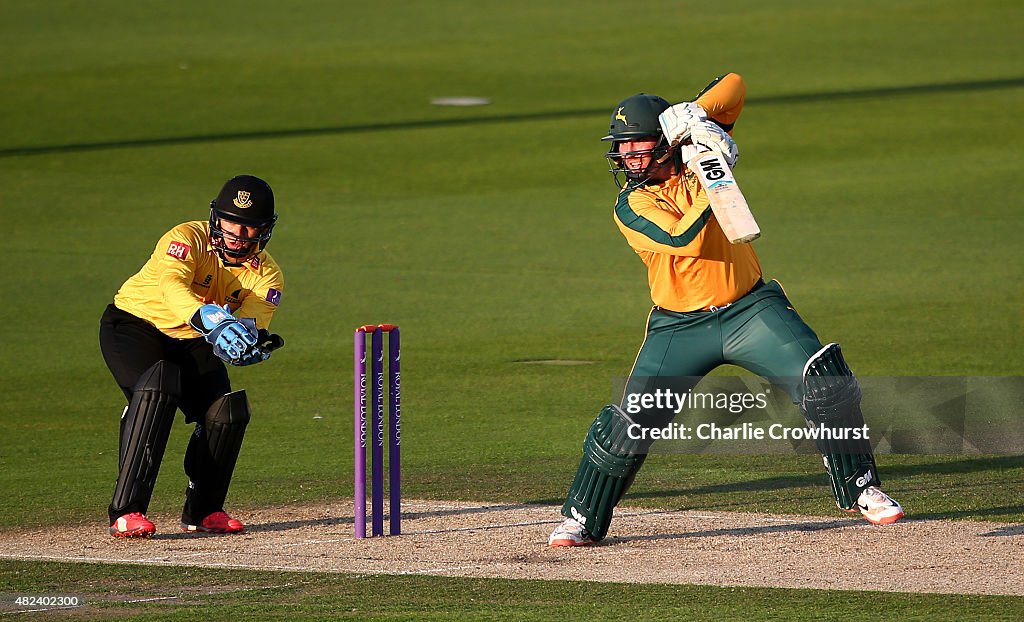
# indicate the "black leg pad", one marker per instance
pixel 145 428
pixel 211 455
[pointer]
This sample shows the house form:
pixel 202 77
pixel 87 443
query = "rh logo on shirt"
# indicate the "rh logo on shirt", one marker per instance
pixel 178 250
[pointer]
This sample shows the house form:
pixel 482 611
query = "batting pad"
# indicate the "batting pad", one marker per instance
pixel 832 401
pixel 610 462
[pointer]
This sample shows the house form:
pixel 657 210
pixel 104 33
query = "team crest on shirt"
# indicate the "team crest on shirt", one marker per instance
pixel 178 250
pixel 274 296
pixel 242 200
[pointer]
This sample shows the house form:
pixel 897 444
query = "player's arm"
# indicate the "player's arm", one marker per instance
pixel 177 267
pixel 723 99
pixel 257 310
pixel 232 340
pixel 706 123
pixel 262 301
pixel 649 228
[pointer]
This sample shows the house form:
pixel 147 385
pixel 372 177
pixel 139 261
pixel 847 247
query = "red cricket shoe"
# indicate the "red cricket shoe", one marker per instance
pixel 218 522
pixel 132 525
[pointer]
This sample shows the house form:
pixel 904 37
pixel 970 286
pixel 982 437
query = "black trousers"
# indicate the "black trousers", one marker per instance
pixel 130 346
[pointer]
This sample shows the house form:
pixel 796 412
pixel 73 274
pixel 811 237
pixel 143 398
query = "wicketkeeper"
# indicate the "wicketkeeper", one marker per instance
pixel 711 307
pixel 204 298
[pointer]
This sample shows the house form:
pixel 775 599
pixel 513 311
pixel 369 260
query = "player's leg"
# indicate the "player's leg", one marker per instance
pixel 133 350
pixel 678 350
pixel 221 416
pixel 611 459
pixel 832 402
pixel 764 334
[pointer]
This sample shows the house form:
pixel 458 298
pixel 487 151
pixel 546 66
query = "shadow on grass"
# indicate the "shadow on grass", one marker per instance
pixel 759 485
pixel 964 465
pixel 890 472
pixel 889 91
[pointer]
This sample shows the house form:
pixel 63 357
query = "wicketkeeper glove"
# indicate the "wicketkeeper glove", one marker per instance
pixel 231 338
pixel 266 343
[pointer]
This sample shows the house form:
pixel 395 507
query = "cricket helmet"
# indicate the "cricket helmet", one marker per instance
pixel 633 119
pixel 246 200
pixel 636 117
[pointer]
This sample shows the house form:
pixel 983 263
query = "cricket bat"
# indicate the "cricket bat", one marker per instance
pixel 727 202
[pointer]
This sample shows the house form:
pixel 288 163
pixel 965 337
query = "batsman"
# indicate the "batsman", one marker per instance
pixel 711 307
pixel 204 299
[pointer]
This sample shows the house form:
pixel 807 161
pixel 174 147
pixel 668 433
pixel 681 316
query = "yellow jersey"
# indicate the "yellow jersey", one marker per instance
pixel 184 273
pixel 691 265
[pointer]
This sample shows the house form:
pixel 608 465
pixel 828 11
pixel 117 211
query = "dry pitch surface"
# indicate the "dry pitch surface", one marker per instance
pixel 644 546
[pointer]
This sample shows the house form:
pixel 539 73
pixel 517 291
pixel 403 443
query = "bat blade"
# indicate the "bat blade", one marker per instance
pixel 726 199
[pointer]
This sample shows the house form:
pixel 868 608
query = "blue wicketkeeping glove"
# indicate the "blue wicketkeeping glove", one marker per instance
pixel 231 338
pixel 265 344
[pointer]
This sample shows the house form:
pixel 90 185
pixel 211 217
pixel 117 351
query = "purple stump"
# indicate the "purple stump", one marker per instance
pixel 377 430
pixel 395 431
pixel 359 431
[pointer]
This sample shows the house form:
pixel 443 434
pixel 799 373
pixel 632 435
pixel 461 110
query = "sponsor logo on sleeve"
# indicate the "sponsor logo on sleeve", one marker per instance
pixel 178 250
pixel 274 296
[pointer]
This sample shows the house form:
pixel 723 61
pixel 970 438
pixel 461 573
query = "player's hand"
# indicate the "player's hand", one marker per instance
pixel 254 355
pixel 265 345
pixel 708 136
pixel 678 121
pixel 230 338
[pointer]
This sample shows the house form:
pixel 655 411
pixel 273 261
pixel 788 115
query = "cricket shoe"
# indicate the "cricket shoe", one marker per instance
pixel 877 507
pixel 218 522
pixel 132 525
pixel 570 533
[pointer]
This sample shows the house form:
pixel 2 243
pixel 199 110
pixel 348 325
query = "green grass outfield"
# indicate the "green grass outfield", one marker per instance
pixel 140 592
pixel 880 152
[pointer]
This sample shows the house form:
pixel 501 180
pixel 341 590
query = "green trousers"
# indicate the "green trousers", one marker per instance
pixel 761 332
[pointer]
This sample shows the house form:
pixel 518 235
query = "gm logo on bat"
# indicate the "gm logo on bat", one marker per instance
pixel 712 168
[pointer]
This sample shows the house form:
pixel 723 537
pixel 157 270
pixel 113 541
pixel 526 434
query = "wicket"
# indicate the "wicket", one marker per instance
pixel 377 428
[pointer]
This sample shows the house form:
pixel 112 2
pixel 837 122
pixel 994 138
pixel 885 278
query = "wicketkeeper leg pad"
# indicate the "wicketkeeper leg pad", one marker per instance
pixel 831 403
pixel 610 463
pixel 211 455
pixel 145 428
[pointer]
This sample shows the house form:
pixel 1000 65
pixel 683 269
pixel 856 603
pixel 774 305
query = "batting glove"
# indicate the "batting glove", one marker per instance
pixel 708 136
pixel 678 121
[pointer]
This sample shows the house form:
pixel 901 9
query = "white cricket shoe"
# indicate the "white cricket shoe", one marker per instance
pixel 570 533
pixel 877 507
